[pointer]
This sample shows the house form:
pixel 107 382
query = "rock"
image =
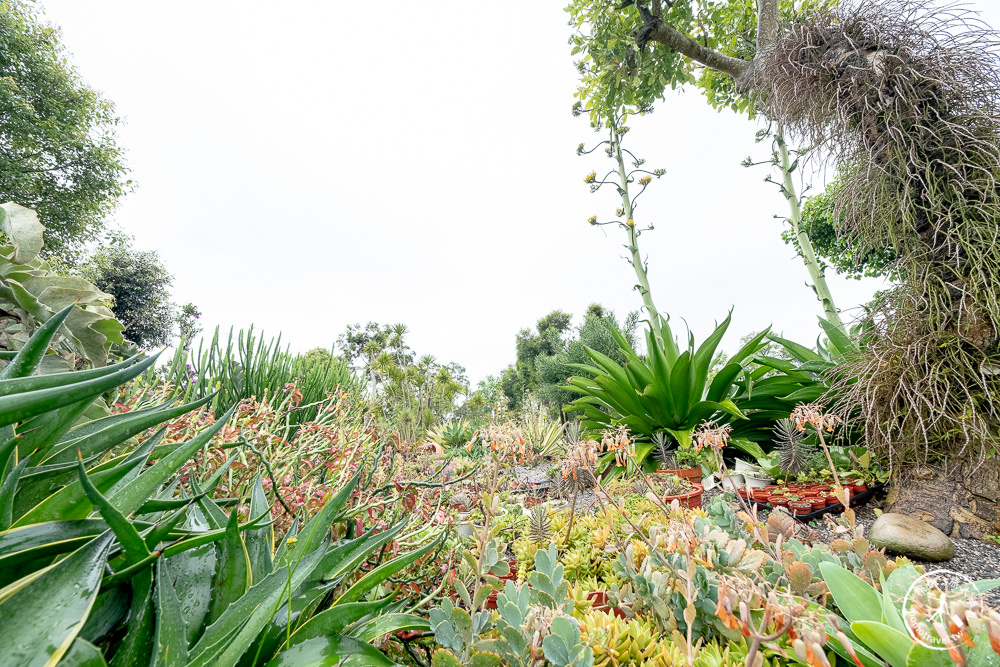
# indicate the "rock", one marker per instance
pixel 905 536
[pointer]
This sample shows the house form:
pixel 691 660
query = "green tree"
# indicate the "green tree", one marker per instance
pixel 410 394
pixel 846 255
pixel 554 371
pixel 521 378
pixel 140 285
pixel 188 325
pixel 60 155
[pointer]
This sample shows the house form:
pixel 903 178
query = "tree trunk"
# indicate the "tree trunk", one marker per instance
pixel 963 501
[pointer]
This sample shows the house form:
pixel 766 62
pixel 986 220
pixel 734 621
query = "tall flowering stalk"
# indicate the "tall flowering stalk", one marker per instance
pixel 813 414
pixel 626 172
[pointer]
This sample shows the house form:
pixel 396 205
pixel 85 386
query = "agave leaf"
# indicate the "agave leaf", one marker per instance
pixel 136 647
pixel 329 652
pixel 232 576
pixel 104 433
pixel 18 407
pixel 383 624
pixel 82 653
pixel 384 571
pixel 228 638
pixel 260 542
pixel 133 544
pixel 336 619
pixel 8 488
pixel 191 573
pixel 131 498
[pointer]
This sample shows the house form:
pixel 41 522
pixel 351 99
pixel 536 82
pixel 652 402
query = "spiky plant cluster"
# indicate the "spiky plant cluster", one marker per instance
pixel 793 452
pixel 539 525
pixel 665 454
pixel 903 96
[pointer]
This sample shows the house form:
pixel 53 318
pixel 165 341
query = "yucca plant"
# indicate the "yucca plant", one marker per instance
pixel 105 557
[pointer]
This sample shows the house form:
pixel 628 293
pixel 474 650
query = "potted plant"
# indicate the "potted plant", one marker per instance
pixel 684 491
pixel 799 507
pixel 679 461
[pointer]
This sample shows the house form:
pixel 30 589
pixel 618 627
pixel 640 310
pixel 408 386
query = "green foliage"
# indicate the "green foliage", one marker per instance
pixel 554 371
pixel 31 292
pixel 877 626
pixel 454 434
pixel 140 285
pixel 60 156
pixel 411 395
pixel 619 73
pixel 673 390
pixel 839 250
pixel 96 551
pixel 248 366
pixel 521 380
pixel 525 614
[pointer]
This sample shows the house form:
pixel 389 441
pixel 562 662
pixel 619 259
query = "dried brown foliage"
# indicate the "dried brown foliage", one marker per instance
pixel 904 98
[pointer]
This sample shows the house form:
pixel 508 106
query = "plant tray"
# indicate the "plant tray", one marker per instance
pixel 856 500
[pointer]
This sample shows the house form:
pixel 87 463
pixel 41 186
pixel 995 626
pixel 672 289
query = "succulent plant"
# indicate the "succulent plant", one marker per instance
pixel 794 454
pixel 539 525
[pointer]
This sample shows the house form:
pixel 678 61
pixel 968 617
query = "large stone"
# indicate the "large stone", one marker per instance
pixel 906 536
pixel 960 500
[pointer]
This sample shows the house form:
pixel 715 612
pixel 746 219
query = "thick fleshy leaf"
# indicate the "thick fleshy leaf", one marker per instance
pixel 331 652
pixel 39 622
pixel 30 356
pixel 171 641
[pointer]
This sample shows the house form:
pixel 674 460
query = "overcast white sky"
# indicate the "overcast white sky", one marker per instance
pixel 302 165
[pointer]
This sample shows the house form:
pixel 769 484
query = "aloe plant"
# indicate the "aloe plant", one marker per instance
pixel 105 558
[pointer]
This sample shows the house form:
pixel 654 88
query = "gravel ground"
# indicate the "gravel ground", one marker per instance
pixel 973 558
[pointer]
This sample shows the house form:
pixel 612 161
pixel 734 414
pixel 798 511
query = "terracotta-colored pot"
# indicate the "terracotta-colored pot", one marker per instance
pixel 817 502
pixel 742 492
pixel 800 507
pixel 778 501
pixel 691 500
pixel 771 488
pixel 600 603
pixel 693 474
pixel 761 496
pixel 824 488
pixel 830 499
pixel 859 487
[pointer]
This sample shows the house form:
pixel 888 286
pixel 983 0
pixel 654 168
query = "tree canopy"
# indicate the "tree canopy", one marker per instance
pixel 60 155
pixel 140 285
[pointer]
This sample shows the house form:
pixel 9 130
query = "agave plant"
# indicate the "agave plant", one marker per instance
pixel 106 557
pixel 673 390
pixel 544 436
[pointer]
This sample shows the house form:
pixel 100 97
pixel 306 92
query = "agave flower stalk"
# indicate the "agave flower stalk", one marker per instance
pixel 817 274
pixel 622 177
